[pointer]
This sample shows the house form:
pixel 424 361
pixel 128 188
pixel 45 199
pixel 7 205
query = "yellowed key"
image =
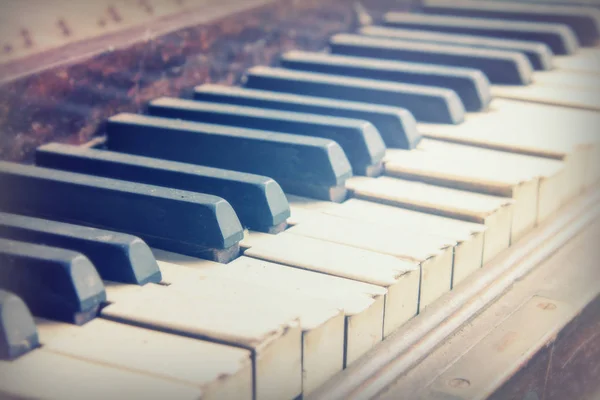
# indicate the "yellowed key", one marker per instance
pixel 271 333
pixel 461 173
pixel 401 278
pixel 361 303
pixel 534 129
pixel 552 173
pixel 434 255
pixel 469 237
pixel 494 212
pixel 216 370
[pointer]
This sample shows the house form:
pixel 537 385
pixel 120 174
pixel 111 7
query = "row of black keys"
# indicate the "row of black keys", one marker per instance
pixel 308 145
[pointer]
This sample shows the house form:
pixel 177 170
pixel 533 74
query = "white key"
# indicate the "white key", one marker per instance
pixel 533 129
pixel 468 252
pixel 218 371
pixel 362 303
pixel 483 177
pixel 567 80
pixel 45 375
pixel 551 95
pixel 551 173
pixel 494 212
pixel 434 255
pixel 586 61
pixel 322 322
pixel 274 335
pixel 401 278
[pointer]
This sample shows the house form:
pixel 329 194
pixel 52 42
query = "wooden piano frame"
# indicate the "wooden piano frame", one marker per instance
pixel 65 94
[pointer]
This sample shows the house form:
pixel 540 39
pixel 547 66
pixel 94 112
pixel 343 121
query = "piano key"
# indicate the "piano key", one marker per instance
pixel 18 333
pixel 471 85
pixel 323 324
pixel 533 129
pixel 564 97
pixel 552 173
pixel 360 140
pixel 216 371
pixel 508 181
pixel 584 21
pixel 362 303
pixel 313 167
pixel 433 255
pixel 470 237
pixel 399 277
pixel 586 61
pixel 258 201
pixel 54 283
pixel 500 66
pixel 539 54
pixel 425 103
pixel 494 212
pixel 397 126
pixel 271 333
pixel 186 222
pixel 568 79
pixel 117 257
pixel 45 375
pixel 560 38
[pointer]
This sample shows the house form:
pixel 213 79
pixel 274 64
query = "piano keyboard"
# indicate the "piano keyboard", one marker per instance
pixel 253 241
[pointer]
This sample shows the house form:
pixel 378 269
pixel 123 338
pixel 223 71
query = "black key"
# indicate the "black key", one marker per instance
pixel 258 201
pixel 117 256
pixel 175 220
pixel 539 55
pixel 428 104
pixel 18 334
pixel 54 283
pixel 360 140
pixel 302 165
pixel 471 85
pixel 397 126
pixel 584 21
pixel 560 38
pixel 504 67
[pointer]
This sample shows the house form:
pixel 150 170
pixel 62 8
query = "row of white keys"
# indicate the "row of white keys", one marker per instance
pixel 471 243
pixel 433 255
pixel 401 278
pixel 361 303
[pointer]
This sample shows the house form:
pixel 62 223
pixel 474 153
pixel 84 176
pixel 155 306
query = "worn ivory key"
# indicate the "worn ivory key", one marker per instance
pixel 273 335
pixel 322 322
pixel 469 237
pixel 533 129
pixel 401 278
pixel 361 303
pixel 462 173
pixel 434 255
pixel 551 173
pixel 494 212
pixel 216 370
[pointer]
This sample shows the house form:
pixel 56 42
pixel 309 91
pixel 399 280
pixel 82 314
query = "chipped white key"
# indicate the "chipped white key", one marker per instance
pixel 216 370
pixel 273 335
pixel 551 173
pixel 434 255
pixel 45 375
pixel 469 237
pixel 362 303
pixel 461 173
pixel 323 333
pixel 401 278
pixel 534 129
pixel 494 212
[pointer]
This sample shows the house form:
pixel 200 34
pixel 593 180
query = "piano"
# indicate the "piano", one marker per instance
pixel 271 199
